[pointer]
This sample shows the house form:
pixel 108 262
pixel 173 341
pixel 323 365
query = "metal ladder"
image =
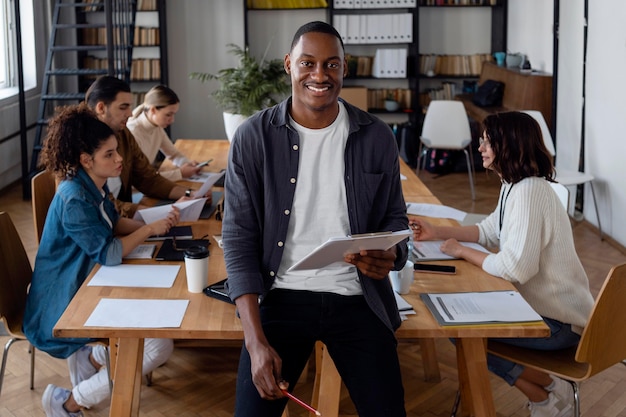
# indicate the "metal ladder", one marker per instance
pixel 66 77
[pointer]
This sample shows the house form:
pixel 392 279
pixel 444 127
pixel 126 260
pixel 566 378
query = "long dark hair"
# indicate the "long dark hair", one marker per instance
pixel 518 147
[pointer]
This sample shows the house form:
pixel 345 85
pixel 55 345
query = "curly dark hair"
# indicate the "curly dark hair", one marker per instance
pixel 72 131
pixel 518 147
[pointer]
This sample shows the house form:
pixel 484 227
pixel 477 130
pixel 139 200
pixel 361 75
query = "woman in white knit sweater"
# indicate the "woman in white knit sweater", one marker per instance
pixel 532 232
pixel 148 125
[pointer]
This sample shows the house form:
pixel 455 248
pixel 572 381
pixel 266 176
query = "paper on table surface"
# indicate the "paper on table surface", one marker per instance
pixel 189 211
pixel 142 252
pixel 125 275
pixel 481 307
pixel 127 313
pixel 335 248
pixel 435 210
pixel 430 250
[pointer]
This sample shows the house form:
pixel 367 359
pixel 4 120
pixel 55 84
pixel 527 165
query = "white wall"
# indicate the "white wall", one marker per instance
pixel 530 31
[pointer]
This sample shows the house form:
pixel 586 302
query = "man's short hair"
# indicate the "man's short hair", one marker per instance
pixel 316 26
pixel 105 89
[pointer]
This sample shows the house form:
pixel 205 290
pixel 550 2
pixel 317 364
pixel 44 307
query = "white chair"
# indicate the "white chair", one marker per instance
pixel 566 177
pixel 446 126
pixel 562 192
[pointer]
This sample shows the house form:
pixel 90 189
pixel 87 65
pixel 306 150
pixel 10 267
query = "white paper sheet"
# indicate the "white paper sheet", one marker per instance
pixel 435 210
pixel 482 307
pixel 125 275
pixel 430 250
pixel 189 211
pixel 142 252
pixel 132 313
pixel 208 183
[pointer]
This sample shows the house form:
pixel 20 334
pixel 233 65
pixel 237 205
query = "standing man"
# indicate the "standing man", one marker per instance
pixel 305 170
pixel 110 98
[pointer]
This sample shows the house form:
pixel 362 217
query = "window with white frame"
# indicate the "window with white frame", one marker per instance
pixel 8 47
pixel 6 43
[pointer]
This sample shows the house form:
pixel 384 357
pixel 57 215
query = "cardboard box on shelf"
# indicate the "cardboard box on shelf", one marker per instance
pixel 356 96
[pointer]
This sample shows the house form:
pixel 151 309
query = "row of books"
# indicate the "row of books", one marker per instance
pixel 376 97
pixel 287 4
pixel 146 5
pixel 143 36
pixel 142 69
pixel 458 2
pixel 374 28
pixel 457 65
pixel 359 65
pixel 374 4
pixel 447 91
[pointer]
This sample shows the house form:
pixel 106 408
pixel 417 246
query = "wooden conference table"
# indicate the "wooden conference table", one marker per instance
pixel 211 319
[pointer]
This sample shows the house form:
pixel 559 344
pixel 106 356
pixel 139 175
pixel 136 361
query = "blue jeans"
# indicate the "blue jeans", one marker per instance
pixel 561 337
pixel 363 348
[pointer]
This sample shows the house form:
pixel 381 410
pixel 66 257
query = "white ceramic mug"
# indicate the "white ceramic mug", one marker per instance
pixel 197 268
pixel 401 280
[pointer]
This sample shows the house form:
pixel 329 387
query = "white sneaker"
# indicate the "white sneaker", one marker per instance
pixel 80 366
pixel 554 407
pixel 563 390
pixel 53 399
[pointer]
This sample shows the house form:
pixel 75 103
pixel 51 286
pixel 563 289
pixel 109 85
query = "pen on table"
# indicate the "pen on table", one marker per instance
pixel 300 402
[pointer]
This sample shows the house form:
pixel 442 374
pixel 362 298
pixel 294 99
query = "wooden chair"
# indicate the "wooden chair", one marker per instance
pixel 602 345
pixel 43 187
pixel 15 277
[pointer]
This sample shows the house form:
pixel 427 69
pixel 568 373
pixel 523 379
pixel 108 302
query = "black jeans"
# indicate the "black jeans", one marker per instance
pixel 363 349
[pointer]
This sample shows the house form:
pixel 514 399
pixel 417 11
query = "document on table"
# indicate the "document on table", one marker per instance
pixel 335 248
pixel 430 250
pixel 466 308
pixel 435 210
pixel 125 275
pixel 210 180
pixel 133 313
pixel 189 211
pixel 142 252
pixel 404 308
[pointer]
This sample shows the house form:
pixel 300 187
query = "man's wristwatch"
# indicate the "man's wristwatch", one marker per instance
pixel 188 192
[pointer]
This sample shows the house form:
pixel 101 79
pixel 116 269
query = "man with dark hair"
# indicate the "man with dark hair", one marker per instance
pixel 110 98
pixel 299 173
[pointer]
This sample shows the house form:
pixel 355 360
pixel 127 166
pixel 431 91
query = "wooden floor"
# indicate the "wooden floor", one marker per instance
pixel 201 381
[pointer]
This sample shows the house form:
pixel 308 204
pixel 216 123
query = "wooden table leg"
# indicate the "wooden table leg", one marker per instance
pixel 429 360
pixel 127 378
pixel 476 395
pixel 327 387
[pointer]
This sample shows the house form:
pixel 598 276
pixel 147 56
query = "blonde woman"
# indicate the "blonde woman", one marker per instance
pixel 148 125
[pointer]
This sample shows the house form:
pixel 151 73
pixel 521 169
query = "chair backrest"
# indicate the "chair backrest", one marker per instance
pixel 15 276
pixel 545 132
pixel 43 187
pixel 562 192
pixel 603 342
pixel 446 125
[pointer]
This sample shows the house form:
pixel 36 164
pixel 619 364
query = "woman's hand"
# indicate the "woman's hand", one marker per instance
pixel 161 227
pixel 452 247
pixel 422 230
pixel 190 169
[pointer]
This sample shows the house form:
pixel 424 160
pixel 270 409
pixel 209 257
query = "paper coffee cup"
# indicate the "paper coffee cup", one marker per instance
pixel 197 268
pixel 401 280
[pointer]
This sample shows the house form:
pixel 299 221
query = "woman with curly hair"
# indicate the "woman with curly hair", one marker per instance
pixel 532 232
pixel 82 228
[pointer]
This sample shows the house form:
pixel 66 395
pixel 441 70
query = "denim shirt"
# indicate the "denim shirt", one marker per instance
pixel 260 184
pixel 75 237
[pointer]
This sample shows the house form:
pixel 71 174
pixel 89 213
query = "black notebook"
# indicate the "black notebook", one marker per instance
pixel 168 252
pixel 181 232
pixel 218 290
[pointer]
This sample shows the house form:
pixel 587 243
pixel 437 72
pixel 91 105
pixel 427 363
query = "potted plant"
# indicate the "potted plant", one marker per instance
pixel 247 88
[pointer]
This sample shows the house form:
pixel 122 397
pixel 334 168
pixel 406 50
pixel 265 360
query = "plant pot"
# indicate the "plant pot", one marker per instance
pixel 231 123
pixel 391 105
